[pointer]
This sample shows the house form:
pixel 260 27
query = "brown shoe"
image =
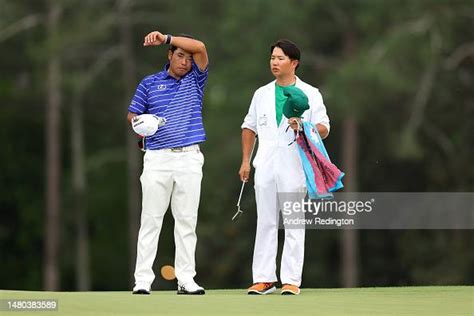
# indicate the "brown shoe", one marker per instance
pixel 290 289
pixel 261 288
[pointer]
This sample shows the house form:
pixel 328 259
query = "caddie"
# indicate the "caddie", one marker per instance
pixel 278 167
pixel 167 110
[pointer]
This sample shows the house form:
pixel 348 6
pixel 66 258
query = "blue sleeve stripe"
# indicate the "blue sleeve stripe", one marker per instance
pixel 142 101
pixel 142 86
pixel 141 92
pixel 138 105
pixel 133 109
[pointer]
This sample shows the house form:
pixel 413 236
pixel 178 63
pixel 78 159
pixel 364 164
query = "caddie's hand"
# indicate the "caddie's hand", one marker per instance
pixel 154 38
pixel 295 123
pixel 244 171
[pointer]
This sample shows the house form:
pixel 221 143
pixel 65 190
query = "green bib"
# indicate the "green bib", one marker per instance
pixel 280 100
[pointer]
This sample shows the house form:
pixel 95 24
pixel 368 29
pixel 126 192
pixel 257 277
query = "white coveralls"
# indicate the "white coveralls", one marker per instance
pixel 278 169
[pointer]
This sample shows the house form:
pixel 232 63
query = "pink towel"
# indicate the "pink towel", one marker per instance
pixel 326 174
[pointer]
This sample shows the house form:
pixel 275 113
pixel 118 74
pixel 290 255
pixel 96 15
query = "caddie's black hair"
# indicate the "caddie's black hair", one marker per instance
pixel 289 49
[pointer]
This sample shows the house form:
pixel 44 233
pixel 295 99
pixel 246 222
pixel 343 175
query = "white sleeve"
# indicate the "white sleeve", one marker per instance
pixel 318 111
pixel 250 120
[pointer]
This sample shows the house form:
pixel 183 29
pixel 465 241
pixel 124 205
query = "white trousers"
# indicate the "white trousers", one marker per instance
pixel 176 177
pixel 271 180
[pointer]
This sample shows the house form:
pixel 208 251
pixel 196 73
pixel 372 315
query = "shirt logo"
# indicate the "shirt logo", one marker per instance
pixel 161 87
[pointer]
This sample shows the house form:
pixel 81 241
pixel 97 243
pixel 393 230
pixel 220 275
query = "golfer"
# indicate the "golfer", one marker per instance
pixel 172 164
pixel 278 168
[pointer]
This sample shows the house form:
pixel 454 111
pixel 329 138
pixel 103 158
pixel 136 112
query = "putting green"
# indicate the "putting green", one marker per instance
pixel 432 300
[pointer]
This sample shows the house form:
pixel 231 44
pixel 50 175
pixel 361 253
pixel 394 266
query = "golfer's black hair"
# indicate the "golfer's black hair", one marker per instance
pixel 289 49
pixel 173 48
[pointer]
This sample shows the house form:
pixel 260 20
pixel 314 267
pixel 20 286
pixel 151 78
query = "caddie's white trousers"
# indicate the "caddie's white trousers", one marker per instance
pixel 272 178
pixel 176 177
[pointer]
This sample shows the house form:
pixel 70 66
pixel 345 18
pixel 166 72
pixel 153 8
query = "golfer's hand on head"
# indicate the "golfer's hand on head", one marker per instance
pixel 154 38
pixel 244 171
pixel 294 122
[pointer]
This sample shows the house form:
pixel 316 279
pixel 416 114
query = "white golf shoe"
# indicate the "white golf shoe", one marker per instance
pixel 190 288
pixel 142 289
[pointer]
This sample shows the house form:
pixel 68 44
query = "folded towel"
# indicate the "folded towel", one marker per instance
pixel 322 176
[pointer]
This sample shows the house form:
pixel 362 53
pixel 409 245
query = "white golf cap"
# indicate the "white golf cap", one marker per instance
pixel 146 124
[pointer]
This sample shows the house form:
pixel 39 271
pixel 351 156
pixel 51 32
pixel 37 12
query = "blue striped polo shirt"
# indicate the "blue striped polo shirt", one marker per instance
pixel 179 101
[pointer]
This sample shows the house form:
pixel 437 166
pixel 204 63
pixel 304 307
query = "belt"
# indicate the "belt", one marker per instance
pixel 194 147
